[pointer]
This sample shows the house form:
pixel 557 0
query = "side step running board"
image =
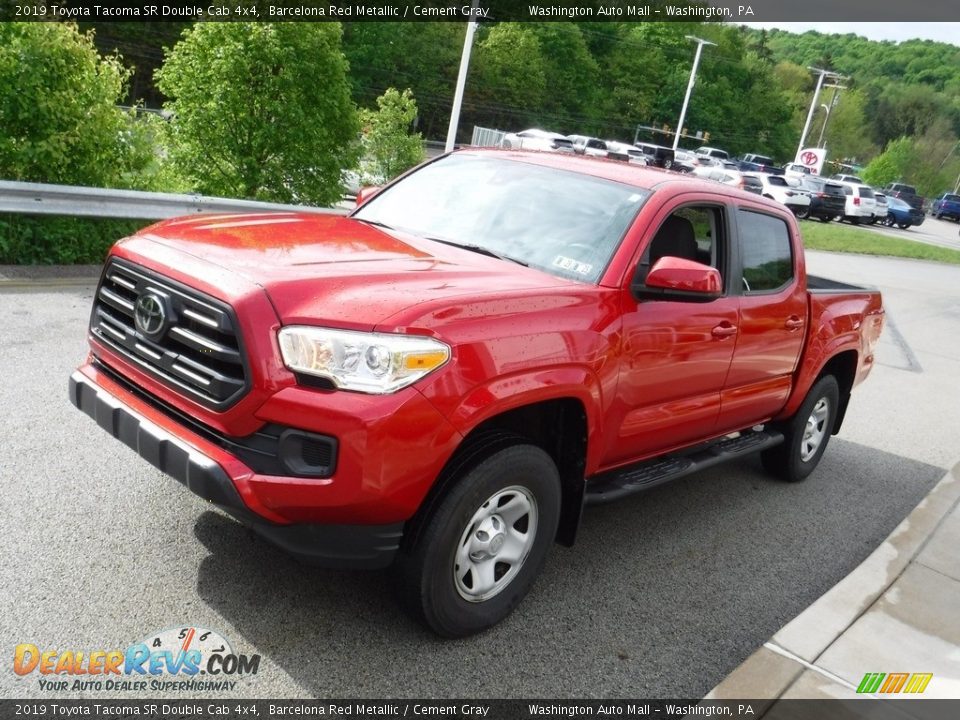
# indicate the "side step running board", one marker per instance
pixel 635 478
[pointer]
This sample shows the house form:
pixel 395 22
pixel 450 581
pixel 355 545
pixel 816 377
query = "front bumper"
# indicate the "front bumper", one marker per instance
pixel 330 545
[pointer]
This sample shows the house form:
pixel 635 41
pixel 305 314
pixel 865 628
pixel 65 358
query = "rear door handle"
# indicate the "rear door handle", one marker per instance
pixel 793 323
pixel 723 330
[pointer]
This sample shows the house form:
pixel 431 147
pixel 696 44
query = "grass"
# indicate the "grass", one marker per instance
pixel 842 238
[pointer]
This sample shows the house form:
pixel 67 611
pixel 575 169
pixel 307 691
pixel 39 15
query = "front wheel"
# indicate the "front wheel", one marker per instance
pixel 484 544
pixel 806 434
pixel 801 211
pixel 903 226
pixel 890 221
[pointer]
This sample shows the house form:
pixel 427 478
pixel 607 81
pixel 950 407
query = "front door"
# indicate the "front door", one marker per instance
pixel 675 354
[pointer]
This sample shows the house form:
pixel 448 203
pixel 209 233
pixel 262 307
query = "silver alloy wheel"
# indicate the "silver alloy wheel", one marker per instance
pixel 815 429
pixel 495 544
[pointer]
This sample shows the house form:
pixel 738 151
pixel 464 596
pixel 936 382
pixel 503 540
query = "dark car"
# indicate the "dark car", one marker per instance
pixel 907 193
pixel 657 155
pixel 758 163
pixel 947 205
pixel 901 214
pixel 827 199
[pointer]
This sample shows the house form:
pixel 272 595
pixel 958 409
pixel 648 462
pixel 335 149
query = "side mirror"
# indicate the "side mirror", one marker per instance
pixel 673 278
pixel 365 193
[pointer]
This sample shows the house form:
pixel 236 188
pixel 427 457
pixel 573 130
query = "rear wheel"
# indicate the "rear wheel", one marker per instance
pixel 890 221
pixel 825 219
pixel 806 434
pixel 801 211
pixel 903 226
pixel 484 544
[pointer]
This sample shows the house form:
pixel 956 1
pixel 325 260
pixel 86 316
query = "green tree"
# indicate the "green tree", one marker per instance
pixel 389 148
pixel 58 117
pixel 508 82
pixel 261 110
pixel 893 164
pixel 846 137
pixel 422 56
pixel 572 75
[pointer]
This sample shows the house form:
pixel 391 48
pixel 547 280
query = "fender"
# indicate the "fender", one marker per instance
pixel 528 387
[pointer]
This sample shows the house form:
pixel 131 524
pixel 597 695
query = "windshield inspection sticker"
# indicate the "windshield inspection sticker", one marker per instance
pixel 572 265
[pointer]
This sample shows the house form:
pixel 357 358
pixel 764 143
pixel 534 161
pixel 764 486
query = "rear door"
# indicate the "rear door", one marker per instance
pixel 772 321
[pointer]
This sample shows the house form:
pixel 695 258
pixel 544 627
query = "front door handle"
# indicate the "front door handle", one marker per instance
pixel 793 323
pixel 723 330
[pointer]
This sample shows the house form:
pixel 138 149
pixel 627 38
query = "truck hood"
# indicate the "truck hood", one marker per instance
pixel 330 269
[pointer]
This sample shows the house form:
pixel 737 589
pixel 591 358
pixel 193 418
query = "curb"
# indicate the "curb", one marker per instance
pixel 26 277
pixel 794 649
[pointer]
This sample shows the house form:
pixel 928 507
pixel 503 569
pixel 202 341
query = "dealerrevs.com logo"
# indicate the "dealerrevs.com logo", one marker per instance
pixel 183 658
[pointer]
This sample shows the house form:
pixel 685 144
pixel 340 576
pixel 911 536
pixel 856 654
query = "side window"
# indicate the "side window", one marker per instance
pixel 692 233
pixel 765 251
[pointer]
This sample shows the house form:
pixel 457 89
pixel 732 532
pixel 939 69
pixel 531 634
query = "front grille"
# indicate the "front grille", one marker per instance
pixel 196 346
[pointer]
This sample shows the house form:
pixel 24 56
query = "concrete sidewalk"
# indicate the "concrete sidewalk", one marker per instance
pixel 897 612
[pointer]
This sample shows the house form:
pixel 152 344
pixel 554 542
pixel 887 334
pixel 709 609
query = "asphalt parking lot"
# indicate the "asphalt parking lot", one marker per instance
pixel 663 595
pixel 945 233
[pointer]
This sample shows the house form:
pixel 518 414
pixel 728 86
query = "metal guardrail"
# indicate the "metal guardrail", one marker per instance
pixel 44 199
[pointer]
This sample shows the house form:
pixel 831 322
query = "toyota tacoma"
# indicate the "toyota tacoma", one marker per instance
pixel 442 380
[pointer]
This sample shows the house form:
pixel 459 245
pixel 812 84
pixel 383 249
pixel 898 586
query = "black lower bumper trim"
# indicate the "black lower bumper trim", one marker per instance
pixel 356 546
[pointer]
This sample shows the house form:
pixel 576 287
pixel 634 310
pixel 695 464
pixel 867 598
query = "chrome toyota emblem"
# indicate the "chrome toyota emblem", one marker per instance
pixel 149 314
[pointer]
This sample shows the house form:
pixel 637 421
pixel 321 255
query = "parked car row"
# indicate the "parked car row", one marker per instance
pixel 639 154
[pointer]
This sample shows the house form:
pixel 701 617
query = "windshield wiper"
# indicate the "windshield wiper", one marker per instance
pixel 374 222
pixel 480 249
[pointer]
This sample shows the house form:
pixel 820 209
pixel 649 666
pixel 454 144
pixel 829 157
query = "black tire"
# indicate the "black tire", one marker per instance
pixel 824 219
pixel 801 211
pixel 428 584
pixel 890 221
pixel 903 226
pixel 786 461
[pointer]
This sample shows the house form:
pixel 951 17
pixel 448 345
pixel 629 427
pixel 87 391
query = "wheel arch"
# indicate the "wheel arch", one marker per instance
pixel 843 367
pixel 559 426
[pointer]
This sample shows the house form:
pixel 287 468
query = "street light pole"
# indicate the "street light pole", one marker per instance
pixel 461 78
pixel 693 76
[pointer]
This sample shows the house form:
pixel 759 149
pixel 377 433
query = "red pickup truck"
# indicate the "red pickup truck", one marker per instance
pixel 444 379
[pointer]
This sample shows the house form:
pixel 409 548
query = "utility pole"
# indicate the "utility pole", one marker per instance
pixel 693 76
pixel 829 108
pixel 816 96
pixel 461 78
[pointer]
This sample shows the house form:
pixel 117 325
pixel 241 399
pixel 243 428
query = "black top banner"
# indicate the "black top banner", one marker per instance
pixel 866 709
pixel 482 10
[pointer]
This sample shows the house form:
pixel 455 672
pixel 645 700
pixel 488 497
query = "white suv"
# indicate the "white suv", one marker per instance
pixel 713 152
pixel 779 188
pixel 861 204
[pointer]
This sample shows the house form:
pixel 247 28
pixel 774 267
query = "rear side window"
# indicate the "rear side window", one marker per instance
pixel 765 250
pixel 777 180
pixel 866 192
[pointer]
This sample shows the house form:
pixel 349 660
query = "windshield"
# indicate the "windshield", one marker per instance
pixel 561 222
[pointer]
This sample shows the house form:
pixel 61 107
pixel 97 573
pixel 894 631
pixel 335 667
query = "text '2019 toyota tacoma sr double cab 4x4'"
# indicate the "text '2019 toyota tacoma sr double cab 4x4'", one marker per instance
pixel 444 379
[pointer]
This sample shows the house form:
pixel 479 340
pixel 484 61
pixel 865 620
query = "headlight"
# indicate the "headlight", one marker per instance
pixel 367 362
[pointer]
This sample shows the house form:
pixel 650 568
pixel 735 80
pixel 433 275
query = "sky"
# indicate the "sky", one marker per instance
pixel 948 32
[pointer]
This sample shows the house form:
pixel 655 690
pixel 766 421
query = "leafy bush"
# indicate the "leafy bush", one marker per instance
pixel 58 117
pixel 55 240
pixel 388 146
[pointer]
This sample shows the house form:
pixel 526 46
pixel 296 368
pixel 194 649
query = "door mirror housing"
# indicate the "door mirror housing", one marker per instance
pixel 365 193
pixel 677 279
